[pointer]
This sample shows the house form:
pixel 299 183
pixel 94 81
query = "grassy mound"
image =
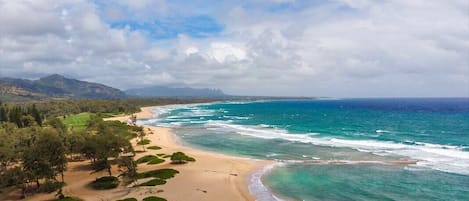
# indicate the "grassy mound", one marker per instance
pixel 181 158
pixel 154 147
pixel 153 182
pixel 69 199
pixel 161 174
pixel 150 159
pixel 153 198
pixel 128 199
pixel 105 183
pixel 144 142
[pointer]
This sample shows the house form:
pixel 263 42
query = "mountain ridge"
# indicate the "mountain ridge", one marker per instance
pixel 54 86
pixel 166 91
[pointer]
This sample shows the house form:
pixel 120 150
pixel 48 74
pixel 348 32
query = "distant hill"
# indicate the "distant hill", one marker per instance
pixel 163 91
pixel 54 86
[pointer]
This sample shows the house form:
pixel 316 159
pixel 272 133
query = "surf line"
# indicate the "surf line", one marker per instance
pixel 351 162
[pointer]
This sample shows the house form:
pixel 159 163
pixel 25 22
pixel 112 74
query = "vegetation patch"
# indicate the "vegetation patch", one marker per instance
pixel 161 174
pixel 153 182
pixel 50 186
pixel 103 183
pixel 180 158
pixel 155 161
pixel 128 199
pixel 150 159
pixel 154 148
pixel 78 121
pixel 153 198
pixel 144 142
pixel 69 199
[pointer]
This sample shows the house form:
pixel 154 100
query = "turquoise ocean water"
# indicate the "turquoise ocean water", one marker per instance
pixel 351 149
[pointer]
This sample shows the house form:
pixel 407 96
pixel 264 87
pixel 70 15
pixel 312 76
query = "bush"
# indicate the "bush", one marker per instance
pixel 144 142
pixel 150 159
pixel 180 158
pixel 69 199
pixel 128 199
pixel 103 183
pixel 154 147
pixel 155 161
pixel 153 182
pixel 161 174
pixel 50 186
pixel 153 198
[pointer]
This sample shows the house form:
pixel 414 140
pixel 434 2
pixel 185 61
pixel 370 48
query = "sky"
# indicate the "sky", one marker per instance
pixel 333 48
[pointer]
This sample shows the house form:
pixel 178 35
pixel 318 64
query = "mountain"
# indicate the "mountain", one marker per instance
pixel 54 86
pixel 163 91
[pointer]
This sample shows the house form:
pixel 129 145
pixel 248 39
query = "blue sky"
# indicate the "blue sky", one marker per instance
pixel 339 48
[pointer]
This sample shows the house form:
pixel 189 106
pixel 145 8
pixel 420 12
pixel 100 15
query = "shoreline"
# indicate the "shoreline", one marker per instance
pixel 213 176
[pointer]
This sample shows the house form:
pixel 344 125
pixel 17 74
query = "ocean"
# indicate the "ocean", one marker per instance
pixel 343 149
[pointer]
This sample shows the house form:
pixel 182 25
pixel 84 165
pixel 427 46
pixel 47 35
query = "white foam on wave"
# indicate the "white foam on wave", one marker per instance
pixel 439 157
pixel 257 188
pixel 382 131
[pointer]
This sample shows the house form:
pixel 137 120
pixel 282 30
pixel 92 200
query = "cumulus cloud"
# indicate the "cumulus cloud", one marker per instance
pixel 343 48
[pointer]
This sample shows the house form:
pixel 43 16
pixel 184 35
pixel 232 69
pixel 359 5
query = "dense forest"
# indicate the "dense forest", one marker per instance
pixel 36 145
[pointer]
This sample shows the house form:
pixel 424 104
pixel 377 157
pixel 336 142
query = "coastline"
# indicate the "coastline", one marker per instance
pixel 213 176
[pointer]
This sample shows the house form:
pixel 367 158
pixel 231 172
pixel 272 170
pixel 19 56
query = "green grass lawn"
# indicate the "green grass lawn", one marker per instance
pixel 77 121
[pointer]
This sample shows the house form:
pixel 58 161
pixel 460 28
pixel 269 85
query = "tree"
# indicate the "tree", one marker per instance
pixel 7 151
pixel 46 157
pixel 127 167
pixel 57 124
pixel 141 136
pixel 36 115
pixel 75 142
pixel 27 121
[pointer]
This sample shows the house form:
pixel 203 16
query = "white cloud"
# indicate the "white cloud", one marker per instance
pixel 225 52
pixel 331 48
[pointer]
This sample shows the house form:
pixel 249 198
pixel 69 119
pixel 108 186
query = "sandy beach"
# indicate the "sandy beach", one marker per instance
pixel 212 177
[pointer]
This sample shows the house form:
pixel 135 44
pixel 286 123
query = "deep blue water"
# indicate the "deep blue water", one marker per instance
pixel 366 136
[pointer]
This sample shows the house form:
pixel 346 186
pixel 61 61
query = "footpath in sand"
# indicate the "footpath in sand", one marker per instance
pixel 211 177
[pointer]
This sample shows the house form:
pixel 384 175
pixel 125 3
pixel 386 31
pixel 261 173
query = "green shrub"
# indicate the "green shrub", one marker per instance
pixel 153 182
pixel 69 199
pixel 160 155
pixel 146 159
pixel 144 142
pixel 128 199
pixel 103 183
pixel 50 186
pixel 150 159
pixel 161 174
pixel 154 147
pixel 153 198
pixel 155 161
pixel 180 158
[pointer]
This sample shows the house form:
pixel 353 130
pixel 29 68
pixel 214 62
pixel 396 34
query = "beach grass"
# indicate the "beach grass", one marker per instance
pixel 150 159
pixel 69 199
pixel 128 199
pixel 161 174
pixel 103 183
pixel 154 198
pixel 144 142
pixel 181 158
pixel 154 147
pixel 153 182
